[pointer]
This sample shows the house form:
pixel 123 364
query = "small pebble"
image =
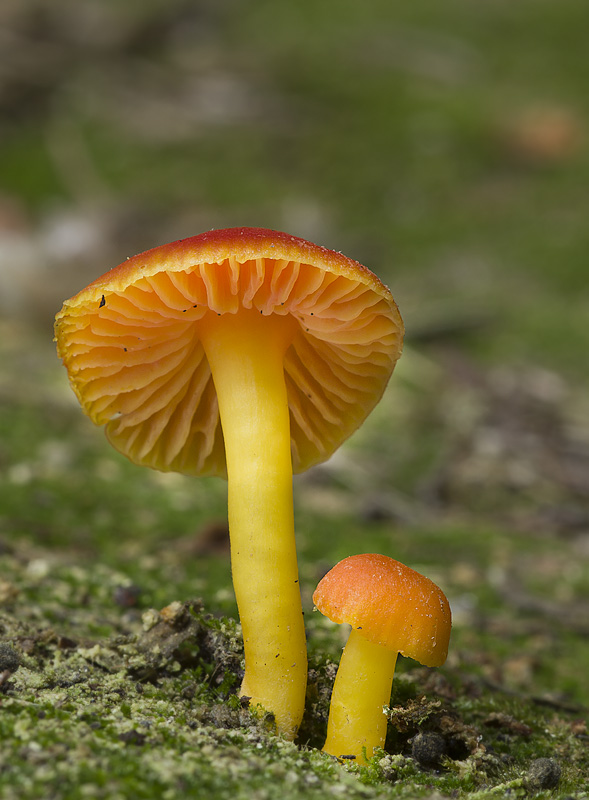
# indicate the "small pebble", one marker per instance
pixel 544 773
pixel 428 749
pixel 9 660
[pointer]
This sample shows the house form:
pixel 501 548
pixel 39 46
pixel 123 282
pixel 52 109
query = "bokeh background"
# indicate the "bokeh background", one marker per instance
pixel 445 146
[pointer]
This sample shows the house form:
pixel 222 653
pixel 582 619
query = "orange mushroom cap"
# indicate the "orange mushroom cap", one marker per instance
pixel 389 604
pixel 135 361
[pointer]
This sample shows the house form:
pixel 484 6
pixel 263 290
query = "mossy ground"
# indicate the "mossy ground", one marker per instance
pixel 445 146
pixel 113 593
pixel 151 709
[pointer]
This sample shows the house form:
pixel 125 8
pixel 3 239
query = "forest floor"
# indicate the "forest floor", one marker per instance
pixel 120 655
pixel 447 147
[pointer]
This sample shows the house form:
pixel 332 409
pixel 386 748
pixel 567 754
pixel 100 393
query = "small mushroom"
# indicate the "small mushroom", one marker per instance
pixel 392 609
pixel 244 353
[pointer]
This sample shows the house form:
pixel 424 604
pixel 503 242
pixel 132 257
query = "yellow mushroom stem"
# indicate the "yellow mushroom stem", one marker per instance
pixel 246 352
pixel 362 687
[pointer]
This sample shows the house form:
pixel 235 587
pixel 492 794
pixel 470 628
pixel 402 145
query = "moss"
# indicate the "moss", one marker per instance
pixel 394 134
pixel 152 710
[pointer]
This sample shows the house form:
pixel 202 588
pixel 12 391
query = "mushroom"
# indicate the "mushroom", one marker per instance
pixel 244 353
pixel 391 609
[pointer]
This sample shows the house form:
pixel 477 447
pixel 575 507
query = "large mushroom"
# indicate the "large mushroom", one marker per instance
pixel 247 353
pixel 392 609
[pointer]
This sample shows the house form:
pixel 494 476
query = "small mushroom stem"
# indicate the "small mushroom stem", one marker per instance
pixel 246 351
pixel 362 687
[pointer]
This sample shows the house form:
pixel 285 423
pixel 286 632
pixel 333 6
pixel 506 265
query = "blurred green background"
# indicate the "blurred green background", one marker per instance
pixel 445 146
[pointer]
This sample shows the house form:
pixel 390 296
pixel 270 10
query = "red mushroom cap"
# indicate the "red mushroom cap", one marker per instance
pixel 389 604
pixel 131 346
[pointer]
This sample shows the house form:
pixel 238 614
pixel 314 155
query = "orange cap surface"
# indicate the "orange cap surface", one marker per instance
pixel 130 344
pixel 389 604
